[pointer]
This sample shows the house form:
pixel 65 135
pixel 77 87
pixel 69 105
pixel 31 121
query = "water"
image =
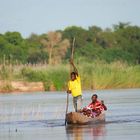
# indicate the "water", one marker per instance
pixel 40 116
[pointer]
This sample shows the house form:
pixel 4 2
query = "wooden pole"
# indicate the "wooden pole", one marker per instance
pixel 67 103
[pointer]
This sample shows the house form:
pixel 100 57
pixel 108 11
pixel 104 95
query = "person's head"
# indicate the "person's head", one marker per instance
pixel 73 76
pixel 94 98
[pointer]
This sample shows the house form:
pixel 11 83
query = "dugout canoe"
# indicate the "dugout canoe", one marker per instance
pixel 78 118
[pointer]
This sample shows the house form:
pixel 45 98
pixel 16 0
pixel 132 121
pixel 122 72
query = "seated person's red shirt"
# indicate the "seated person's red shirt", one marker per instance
pixel 97 106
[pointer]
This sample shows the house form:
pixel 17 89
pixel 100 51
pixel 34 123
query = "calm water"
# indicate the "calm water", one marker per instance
pixel 40 116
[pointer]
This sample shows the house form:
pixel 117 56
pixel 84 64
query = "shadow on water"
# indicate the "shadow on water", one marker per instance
pixel 81 132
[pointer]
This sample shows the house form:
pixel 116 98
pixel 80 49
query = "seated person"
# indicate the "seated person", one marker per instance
pixel 95 108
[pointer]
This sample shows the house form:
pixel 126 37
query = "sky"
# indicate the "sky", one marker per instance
pixel 41 16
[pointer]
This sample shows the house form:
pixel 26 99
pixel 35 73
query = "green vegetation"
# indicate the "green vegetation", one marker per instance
pixel 106 58
pixel 52 77
pixel 96 75
pixel 115 75
pixel 120 43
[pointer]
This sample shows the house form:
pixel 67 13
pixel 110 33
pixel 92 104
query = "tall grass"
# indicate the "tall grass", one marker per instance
pixel 114 75
pixel 6 77
pixel 53 77
pixel 96 75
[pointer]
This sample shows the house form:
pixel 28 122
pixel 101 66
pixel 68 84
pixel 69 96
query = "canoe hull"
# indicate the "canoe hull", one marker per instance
pixel 78 118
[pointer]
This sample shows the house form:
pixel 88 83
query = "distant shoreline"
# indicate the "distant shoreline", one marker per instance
pixel 95 75
pixel 20 86
pixel 28 87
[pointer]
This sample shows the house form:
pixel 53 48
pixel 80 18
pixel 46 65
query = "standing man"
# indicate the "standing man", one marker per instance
pixel 74 88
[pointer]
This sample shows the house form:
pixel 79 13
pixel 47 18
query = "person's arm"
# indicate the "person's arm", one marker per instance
pixel 74 67
pixel 103 105
pixel 69 89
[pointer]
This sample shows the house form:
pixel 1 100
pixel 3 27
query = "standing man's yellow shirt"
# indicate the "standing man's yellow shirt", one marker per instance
pixel 75 87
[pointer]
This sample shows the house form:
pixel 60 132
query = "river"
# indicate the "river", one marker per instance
pixel 40 116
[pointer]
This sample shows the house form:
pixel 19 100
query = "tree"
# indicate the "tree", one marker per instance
pixel 80 35
pixel 51 42
pixel 121 25
pixel 14 38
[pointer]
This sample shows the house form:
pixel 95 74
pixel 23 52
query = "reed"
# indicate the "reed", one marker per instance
pixel 96 75
pixel 114 75
pixel 53 77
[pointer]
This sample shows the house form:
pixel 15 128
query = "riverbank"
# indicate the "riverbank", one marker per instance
pixel 98 75
pixel 20 86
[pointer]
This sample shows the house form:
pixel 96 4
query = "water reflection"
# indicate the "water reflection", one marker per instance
pixel 95 132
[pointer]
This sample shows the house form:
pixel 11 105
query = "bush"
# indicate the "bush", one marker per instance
pixel 50 77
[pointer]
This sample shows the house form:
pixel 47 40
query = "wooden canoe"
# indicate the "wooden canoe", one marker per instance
pixel 78 118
